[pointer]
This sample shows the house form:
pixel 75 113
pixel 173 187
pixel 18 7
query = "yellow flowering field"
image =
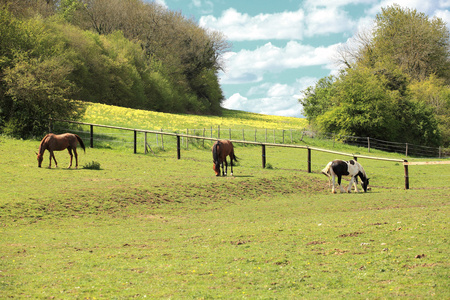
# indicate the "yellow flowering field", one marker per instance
pixel 151 120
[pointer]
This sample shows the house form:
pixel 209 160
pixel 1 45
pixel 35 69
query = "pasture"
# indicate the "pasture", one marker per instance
pixel 152 226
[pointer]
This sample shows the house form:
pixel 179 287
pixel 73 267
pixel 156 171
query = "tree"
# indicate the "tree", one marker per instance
pixel 186 51
pixel 415 43
pixel 38 89
pixel 375 103
pixel 318 99
pixel 382 90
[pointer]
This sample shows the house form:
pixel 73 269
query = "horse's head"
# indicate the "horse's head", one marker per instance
pixel 40 158
pixel 216 168
pixel 365 184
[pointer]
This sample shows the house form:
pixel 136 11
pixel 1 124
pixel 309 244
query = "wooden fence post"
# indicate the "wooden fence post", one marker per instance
pixel 264 156
pixel 92 136
pixel 135 141
pixel 406 176
pixel 145 144
pixel 309 160
pixel 368 144
pixel 178 147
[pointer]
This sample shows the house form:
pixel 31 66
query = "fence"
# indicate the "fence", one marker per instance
pixel 292 136
pixel 262 144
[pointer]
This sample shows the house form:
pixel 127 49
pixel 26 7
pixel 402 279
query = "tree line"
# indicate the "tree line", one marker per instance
pixel 395 83
pixel 57 54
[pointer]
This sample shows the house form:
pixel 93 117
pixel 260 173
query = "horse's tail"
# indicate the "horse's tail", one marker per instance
pixel 232 155
pixel 215 152
pixel 327 170
pixel 81 142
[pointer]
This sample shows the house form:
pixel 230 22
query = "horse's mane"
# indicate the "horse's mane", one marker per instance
pixel 42 143
pixel 361 169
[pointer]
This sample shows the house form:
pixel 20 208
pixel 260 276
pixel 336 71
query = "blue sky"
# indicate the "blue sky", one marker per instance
pixel 280 47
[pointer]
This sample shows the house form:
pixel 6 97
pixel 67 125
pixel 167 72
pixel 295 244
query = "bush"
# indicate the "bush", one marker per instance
pixel 93 165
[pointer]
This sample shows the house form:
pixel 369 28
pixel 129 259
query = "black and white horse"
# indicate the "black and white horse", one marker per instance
pixel 351 168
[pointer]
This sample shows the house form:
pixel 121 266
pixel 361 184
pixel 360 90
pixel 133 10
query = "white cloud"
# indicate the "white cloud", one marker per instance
pixel 248 66
pixel 444 15
pixel 428 7
pixel 272 98
pixel 243 27
pixel 328 20
pixel 205 6
pixel 278 106
pixel 162 3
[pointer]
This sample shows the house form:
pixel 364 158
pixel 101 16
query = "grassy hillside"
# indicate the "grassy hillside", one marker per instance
pixel 144 119
pixel 152 226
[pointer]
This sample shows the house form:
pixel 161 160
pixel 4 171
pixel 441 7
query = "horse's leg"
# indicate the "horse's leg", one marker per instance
pixel 223 169
pixel 71 156
pixel 349 189
pixel 54 158
pixel 355 183
pixel 231 162
pixel 339 182
pixel 333 184
pixel 76 157
pixel 226 167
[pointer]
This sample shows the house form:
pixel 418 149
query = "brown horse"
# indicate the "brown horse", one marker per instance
pixel 53 142
pixel 221 149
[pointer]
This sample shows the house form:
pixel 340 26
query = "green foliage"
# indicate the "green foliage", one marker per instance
pixel 93 165
pixel 396 88
pixel 318 99
pixel 436 95
pixel 141 56
pixel 414 42
pixel 34 80
pixel 376 104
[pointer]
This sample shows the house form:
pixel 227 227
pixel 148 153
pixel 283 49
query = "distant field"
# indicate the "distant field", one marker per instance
pixel 143 119
pixel 152 226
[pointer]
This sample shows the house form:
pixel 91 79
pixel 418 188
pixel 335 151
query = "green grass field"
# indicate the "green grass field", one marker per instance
pixel 151 226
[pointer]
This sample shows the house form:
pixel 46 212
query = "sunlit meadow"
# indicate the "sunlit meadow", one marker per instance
pixel 152 226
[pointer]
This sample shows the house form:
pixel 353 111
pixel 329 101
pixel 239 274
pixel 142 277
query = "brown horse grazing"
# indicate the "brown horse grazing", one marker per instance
pixel 221 149
pixel 53 142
